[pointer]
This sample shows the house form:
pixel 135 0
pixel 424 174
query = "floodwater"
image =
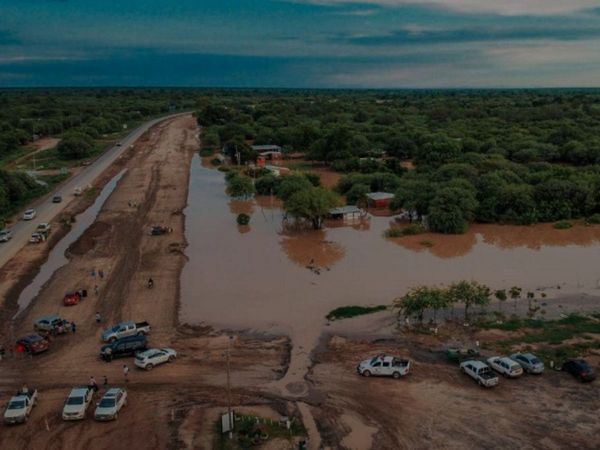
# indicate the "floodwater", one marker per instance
pixel 256 276
pixel 56 258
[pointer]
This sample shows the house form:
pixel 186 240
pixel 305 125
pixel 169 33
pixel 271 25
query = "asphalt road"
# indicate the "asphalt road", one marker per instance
pixel 46 210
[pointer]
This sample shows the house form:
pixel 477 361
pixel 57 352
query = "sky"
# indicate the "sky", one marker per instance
pixel 300 43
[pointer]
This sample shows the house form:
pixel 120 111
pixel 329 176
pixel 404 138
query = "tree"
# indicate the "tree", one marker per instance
pixel 500 296
pixel 417 300
pixel 413 195
pixel 75 146
pixel 267 185
pixel 515 294
pixel 291 184
pixel 470 293
pixel 357 195
pixel 311 204
pixel 451 209
pixel 240 186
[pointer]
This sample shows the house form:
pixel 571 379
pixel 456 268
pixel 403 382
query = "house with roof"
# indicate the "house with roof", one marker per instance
pixel 379 199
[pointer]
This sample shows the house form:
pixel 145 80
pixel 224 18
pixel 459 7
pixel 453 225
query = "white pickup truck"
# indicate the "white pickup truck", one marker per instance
pixel 19 407
pixel 480 372
pixel 124 329
pixel 384 365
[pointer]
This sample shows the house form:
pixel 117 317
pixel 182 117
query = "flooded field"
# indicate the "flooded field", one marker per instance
pixel 255 277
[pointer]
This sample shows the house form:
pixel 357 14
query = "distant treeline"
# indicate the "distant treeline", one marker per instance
pixel 503 157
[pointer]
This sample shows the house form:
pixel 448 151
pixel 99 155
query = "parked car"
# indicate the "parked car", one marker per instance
pixel 56 199
pixel 126 346
pixel 579 368
pixel 19 407
pixel 111 403
pixel 124 329
pixel 383 365
pixel 71 298
pixel 36 238
pixel 29 214
pixel 5 235
pixel 77 403
pixel 529 362
pixel 43 227
pixel 153 357
pixel 480 372
pixel 456 354
pixel 505 366
pixel 33 344
pixel 52 324
pixel 77 191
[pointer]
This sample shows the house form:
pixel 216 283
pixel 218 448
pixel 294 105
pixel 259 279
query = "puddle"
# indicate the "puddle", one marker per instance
pixel 56 258
pixel 256 277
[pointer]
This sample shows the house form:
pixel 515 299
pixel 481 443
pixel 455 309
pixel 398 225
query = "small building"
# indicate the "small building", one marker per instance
pixel 379 199
pixel 268 152
pixel 346 213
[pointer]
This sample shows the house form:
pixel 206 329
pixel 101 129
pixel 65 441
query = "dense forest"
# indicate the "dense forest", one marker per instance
pixel 488 156
pixel 452 156
pixel 80 118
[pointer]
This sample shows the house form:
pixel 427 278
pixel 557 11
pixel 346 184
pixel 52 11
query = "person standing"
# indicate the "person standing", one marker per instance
pixel 93 384
pixel 73 327
pixel 105 383
pixel 98 318
pixel 96 289
pixel 101 273
pixel 126 372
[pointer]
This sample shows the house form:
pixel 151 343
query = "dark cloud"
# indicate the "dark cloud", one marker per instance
pixel 458 35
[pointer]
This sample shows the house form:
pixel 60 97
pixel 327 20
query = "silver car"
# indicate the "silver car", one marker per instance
pixel 5 235
pixel 77 402
pixel 529 362
pixel 111 403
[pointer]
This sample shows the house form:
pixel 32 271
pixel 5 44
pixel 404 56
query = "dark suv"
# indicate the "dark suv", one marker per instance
pixel 579 368
pixel 123 347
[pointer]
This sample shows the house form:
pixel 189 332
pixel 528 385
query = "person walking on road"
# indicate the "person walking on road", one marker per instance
pixel 96 289
pixel 101 273
pixel 73 327
pixel 105 383
pixel 126 373
pixel 98 318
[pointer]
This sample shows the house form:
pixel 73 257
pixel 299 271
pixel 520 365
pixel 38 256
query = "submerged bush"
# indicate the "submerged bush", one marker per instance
pixel 563 225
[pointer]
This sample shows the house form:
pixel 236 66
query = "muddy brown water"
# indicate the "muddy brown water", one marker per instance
pixel 255 277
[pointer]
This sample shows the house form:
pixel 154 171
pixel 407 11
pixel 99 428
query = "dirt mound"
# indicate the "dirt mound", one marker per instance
pixel 88 240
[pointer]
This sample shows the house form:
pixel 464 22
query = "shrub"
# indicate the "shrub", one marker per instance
pixel 215 162
pixel 206 152
pixel 393 232
pixel 243 219
pixel 563 225
pixel 594 219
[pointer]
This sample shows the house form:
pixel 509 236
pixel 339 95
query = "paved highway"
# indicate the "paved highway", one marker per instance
pixel 46 210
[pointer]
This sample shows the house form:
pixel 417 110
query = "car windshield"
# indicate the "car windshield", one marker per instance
pixel 115 328
pixel 75 401
pixel 534 361
pixel 107 402
pixel 16 405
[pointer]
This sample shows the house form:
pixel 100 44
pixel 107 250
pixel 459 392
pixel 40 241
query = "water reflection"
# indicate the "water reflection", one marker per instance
pixel 311 248
pixel 534 237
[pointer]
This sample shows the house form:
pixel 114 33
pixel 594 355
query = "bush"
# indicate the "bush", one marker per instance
pixel 243 219
pixel 393 233
pixel 267 185
pixel 593 219
pixel 75 146
pixel 206 152
pixel 563 225
pixel 345 312
pixel 413 229
pixel 215 162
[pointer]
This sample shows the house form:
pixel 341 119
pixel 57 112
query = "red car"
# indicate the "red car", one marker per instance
pixel 32 344
pixel 71 298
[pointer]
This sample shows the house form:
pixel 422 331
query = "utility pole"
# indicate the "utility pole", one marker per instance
pixel 229 418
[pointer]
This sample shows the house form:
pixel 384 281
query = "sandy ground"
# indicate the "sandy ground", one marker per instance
pixel 175 406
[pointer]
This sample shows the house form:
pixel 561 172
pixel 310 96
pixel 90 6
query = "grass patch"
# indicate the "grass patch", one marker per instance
pixel 550 335
pixel 205 152
pixel 346 312
pixel 410 230
pixel 562 225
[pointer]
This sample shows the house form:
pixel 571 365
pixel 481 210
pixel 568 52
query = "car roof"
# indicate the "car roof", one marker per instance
pixel 29 210
pixel 32 338
pixel 476 363
pixel 78 391
pixel 48 318
pixel 112 392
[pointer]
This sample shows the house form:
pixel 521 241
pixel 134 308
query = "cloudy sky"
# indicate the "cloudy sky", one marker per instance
pixel 300 43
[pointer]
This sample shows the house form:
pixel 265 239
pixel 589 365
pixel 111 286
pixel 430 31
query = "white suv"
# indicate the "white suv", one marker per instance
pixel 505 366
pixel 77 403
pixel 153 357
pixel 111 403
pixel 29 214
